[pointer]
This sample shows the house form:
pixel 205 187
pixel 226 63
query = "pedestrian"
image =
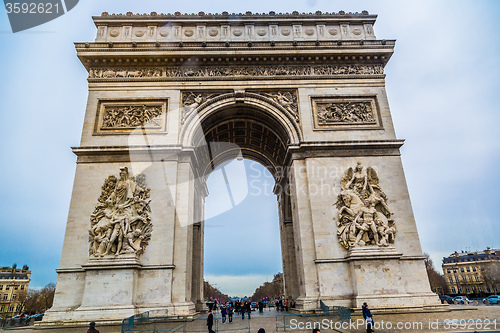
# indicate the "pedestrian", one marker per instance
pixel 210 321
pixel 92 328
pixel 248 308
pixel 223 313
pixel 261 307
pixel 367 315
pixel 230 314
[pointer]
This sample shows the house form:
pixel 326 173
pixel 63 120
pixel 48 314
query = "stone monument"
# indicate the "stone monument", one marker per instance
pixel 171 97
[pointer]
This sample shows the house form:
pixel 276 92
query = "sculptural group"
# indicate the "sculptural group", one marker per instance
pixel 363 215
pixel 121 221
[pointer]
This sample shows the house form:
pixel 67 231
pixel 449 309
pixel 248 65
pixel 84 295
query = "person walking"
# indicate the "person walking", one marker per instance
pixel 248 306
pixel 210 321
pixel 230 314
pixel 92 328
pixel 223 313
pixel 367 315
pixel 242 309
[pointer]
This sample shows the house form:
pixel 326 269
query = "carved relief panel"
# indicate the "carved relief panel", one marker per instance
pixel 339 113
pixel 124 116
pixel 121 221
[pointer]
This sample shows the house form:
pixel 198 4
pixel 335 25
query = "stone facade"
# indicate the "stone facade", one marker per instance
pixel 473 274
pixel 173 96
pixel 14 284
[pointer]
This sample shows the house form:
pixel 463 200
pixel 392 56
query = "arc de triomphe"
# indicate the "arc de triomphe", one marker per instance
pixel 173 96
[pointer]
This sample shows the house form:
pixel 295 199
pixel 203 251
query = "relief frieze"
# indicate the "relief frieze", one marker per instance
pixel 236 71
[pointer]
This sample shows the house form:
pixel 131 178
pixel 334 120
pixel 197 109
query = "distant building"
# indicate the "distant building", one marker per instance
pixel 473 274
pixel 13 289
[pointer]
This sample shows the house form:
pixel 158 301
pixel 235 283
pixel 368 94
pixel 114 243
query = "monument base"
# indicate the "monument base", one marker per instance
pixel 111 294
pixel 379 279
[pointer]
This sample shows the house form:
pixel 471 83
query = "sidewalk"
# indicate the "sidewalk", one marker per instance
pixel 461 318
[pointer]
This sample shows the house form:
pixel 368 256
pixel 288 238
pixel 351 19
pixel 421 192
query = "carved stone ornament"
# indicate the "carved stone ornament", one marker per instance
pixel 236 71
pixel 117 117
pixel 287 99
pixel 346 112
pixel 109 73
pixel 363 215
pixel 191 100
pixel 121 221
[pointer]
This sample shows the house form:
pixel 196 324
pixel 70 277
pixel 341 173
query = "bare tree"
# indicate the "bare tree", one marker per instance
pixel 491 277
pixel 38 300
pixel 436 280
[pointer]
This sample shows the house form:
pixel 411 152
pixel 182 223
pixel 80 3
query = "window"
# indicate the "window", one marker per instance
pixel 471 279
pixel 464 278
pixel 477 279
pixel 448 270
pixel 15 288
pixel 11 308
pixel 467 290
pixel 479 289
pixel 18 308
pixel 1 286
pixel 14 296
pixel 473 290
pixel 7 287
pixel 5 297
pixel 482 268
pixel 461 269
pixel 456 279
pixel 22 287
pixel 459 290
pixel 473 268
pixel 454 270
pixel 451 279
pixel 453 291
pixel 468 269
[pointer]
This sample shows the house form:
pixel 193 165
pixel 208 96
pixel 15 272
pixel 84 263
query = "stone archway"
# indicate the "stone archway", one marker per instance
pixel 251 126
pixel 303 94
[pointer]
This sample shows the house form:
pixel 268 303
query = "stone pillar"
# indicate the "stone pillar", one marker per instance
pixel 304 237
pixel 183 240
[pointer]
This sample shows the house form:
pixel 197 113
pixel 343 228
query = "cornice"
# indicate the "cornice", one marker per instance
pixel 295 15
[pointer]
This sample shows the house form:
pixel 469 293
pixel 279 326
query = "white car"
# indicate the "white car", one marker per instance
pixel 461 300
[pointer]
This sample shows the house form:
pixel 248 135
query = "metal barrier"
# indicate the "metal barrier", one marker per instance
pixel 144 323
pixel 298 322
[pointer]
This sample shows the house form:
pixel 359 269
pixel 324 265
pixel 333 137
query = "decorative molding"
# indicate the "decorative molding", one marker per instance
pixel 125 116
pixel 346 112
pixel 120 225
pixel 363 215
pixel 236 71
pixel 202 15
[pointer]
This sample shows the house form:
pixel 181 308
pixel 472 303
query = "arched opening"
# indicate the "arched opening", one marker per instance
pixel 258 135
pixel 242 247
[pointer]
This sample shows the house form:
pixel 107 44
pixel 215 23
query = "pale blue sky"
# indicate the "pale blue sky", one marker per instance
pixel 442 85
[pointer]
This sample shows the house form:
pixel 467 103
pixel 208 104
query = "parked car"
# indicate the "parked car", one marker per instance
pixel 461 300
pixel 446 298
pixel 493 299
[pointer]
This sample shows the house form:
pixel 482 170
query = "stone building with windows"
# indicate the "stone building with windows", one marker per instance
pixel 473 274
pixel 13 289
